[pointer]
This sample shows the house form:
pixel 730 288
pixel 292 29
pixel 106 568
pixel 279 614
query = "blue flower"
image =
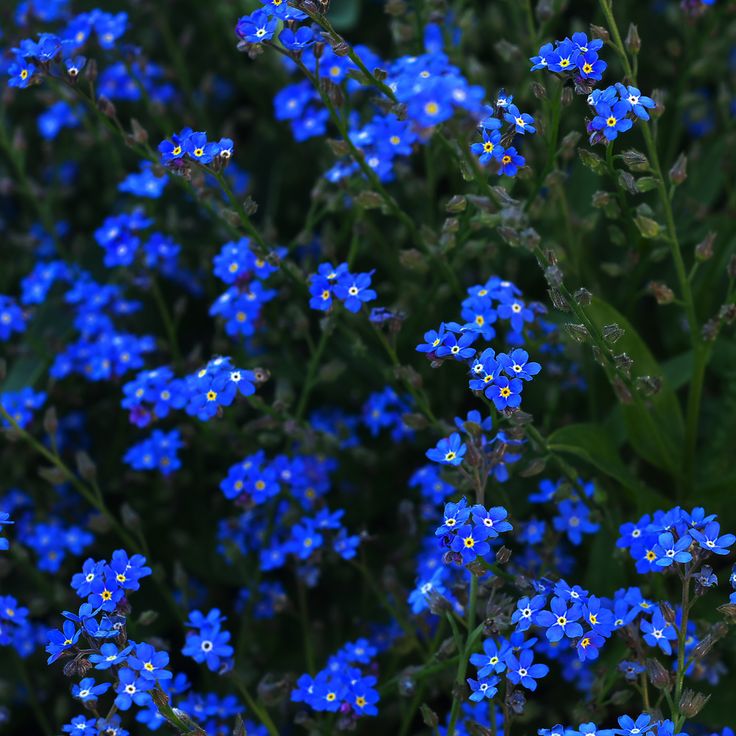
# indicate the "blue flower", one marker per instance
pixel 469 542
pixel 485 688
pixel 522 670
pixel 149 663
pixel 110 656
pixel 658 633
pixel 455 514
pixel 353 290
pixel 612 119
pixel 574 519
pixel 62 641
pixel 256 27
pixel 493 659
pixel 522 122
pixel 132 689
pixel 81 726
pixel 668 551
pixel 87 689
pixel 711 540
pixel 297 41
pixel 638 103
pixel 561 620
pixel 590 66
pixel 517 364
pixel 490 149
pixel 526 611
pixel 449 450
pixel 209 645
pixel 493 520
pixel 505 393
pixel 511 162
pixel 630 727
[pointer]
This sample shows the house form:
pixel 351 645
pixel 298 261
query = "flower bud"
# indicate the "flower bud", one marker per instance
pixel 731 267
pixel 678 172
pixel 583 297
pixel 691 703
pixel 85 466
pixel 429 717
pixel 599 32
pixel 661 292
pixel 612 333
pixel 658 675
pixel 704 249
pixel 633 41
pixel 503 555
pixel 668 613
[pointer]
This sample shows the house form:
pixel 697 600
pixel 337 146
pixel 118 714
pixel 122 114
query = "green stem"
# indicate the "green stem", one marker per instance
pixel 87 493
pixel 304 618
pixel 167 320
pixel 312 368
pixel 462 665
pixel 700 354
pixel 260 712
pixel 681 638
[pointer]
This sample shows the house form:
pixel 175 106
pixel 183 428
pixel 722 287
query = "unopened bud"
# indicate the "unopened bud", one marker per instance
pixel 658 675
pixel 50 421
pixel 429 717
pixel 704 249
pixel 691 703
pixel 635 160
pixel 731 267
pixel 106 107
pixel 727 313
pixel 503 555
pixel 545 10
pixel 633 41
pixel 661 292
pixel 612 333
pixel 717 632
pixel 85 466
pixel 583 297
pixel 53 475
pixel 577 332
pixel 668 613
pixel 649 385
pixel 678 172
pixel 710 330
pixel 539 90
pixel 599 32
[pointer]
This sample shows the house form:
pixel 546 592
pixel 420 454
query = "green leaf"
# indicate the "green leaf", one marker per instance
pixel 655 430
pixel 593 444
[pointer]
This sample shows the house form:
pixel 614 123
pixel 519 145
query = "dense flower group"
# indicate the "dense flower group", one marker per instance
pixel 286 483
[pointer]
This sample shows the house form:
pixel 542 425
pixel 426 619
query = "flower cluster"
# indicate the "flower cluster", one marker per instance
pixel 190 146
pixel 616 109
pixel 466 530
pixel 336 282
pixel 676 537
pixel 245 275
pixel 576 57
pixel 494 146
pixel 342 686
